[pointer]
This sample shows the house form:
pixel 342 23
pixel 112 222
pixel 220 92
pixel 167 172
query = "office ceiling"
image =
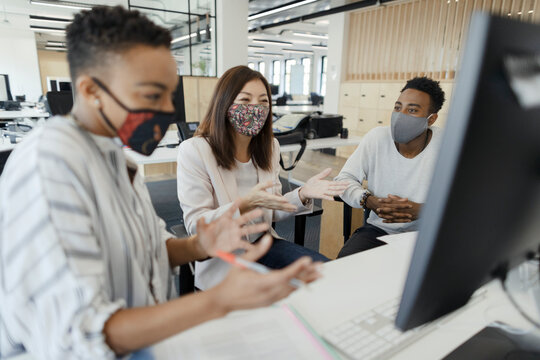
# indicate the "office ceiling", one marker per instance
pixel 280 10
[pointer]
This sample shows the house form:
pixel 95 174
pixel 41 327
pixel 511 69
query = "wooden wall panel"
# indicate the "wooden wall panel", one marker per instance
pixel 401 40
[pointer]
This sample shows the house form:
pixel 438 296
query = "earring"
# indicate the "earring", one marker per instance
pixel 97 102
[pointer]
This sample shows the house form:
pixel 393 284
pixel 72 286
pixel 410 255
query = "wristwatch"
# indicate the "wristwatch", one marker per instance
pixel 363 199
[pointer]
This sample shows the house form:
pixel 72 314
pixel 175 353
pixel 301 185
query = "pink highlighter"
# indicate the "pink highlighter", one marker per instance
pixel 245 264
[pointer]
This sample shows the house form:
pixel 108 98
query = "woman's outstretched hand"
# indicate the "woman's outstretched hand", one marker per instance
pixel 259 197
pixel 228 234
pixel 317 188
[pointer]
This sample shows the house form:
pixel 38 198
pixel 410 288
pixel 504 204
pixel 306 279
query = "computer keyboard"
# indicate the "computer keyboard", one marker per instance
pixel 373 335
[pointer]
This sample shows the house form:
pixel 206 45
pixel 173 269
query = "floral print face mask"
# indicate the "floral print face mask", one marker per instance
pixel 248 119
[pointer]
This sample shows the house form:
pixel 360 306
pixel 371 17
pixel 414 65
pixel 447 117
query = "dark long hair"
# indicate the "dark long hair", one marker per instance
pixel 217 129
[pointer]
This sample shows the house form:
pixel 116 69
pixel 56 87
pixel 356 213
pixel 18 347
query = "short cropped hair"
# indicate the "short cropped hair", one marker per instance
pixel 97 33
pixel 430 87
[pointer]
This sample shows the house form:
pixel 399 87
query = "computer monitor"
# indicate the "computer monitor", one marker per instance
pixel 59 102
pixel 482 213
pixel 5 91
pixel 64 85
pixel 274 89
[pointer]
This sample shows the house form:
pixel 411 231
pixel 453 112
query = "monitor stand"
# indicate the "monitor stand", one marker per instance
pixel 492 343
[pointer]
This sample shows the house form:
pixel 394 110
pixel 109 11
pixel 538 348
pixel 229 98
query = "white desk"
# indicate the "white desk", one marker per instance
pixel 5 144
pixel 358 283
pixel 23 113
pixel 315 144
pixel 291 109
pixel 165 155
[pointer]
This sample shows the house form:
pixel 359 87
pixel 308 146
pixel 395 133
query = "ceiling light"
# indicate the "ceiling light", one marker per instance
pixel 185 37
pixel 56 43
pixel 323 47
pixel 57 48
pixel 315 36
pixel 47 29
pixel 267 53
pixel 50 19
pixel 298 51
pixel 62 4
pixel 254 57
pixel 273 42
pixel 530 11
pixel 279 9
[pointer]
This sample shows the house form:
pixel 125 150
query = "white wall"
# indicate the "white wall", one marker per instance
pixel 337 40
pixel 18 57
pixel 232 34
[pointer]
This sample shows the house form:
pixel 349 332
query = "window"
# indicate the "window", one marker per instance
pixel 324 65
pixel 306 63
pixel 251 66
pixel 276 72
pixel 262 68
pixel 288 66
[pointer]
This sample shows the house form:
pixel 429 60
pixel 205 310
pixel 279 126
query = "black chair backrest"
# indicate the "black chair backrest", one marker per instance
pixel 3 159
pixel 60 102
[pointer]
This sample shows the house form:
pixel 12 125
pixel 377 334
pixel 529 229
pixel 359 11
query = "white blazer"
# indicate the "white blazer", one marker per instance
pixel 207 189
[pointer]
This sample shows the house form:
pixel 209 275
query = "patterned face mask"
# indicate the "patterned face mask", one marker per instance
pixel 248 119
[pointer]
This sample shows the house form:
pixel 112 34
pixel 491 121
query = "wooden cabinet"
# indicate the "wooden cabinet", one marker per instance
pixel 198 93
pixel 369 95
pixel 349 95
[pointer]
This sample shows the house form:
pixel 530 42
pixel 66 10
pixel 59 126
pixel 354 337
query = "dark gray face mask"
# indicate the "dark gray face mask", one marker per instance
pixel 407 127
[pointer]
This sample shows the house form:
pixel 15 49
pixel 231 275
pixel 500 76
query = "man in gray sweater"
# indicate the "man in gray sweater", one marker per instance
pixel 397 162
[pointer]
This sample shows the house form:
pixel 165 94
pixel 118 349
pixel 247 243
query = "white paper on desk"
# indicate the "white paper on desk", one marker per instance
pixel 269 333
pixel 411 235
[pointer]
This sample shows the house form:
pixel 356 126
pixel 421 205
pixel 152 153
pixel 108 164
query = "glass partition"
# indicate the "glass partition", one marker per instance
pixel 193 29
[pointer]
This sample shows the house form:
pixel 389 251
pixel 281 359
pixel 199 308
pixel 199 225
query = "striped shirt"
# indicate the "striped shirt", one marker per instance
pixel 78 241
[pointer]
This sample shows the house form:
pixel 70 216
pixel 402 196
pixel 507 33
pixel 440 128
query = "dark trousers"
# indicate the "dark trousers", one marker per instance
pixel 283 253
pixel 364 238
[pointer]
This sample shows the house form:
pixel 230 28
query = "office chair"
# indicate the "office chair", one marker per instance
pixel 186 280
pixel 347 218
pixel 3 159
pixel 59 102
pixel 281 101
pixel 316 99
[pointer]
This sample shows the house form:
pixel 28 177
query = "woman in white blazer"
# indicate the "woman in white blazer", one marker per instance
pixel 234 159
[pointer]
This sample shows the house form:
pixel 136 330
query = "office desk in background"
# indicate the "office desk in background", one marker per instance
pixel 352 286
pixel 164 155
pixel 290 109
pixel 23 113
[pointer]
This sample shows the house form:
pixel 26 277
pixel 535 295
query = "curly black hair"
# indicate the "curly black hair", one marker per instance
pixel 95 34
pixel 430 87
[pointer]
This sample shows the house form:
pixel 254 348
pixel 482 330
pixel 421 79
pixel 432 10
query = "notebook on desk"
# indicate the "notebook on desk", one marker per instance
pixel 270 333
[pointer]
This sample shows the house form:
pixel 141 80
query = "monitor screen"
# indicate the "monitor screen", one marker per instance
pixel 5 93
pixel 482 212
pixel 65 85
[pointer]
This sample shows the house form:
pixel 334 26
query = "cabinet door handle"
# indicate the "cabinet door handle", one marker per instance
pixel 360 119
pixel 383 95
pixel 380 122
pixel 363 95
pixel 346 94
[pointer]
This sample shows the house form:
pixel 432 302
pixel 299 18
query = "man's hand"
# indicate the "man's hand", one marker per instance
pixel 394 209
